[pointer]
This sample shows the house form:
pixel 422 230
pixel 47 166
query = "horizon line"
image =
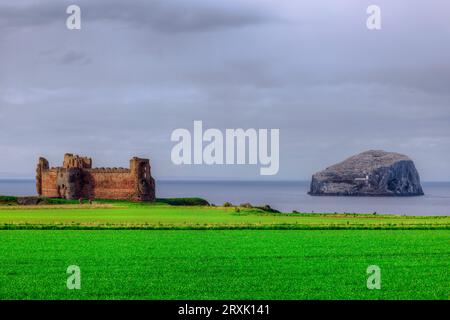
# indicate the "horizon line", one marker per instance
pixel 211 180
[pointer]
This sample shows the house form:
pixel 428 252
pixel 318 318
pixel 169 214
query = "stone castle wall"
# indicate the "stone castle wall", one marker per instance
pixel 77 179
pixel 49 184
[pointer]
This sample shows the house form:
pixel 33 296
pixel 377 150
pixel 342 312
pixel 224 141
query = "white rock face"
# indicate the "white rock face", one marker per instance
pixel 371 173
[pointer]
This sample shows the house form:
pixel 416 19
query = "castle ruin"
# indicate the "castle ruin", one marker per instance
pixel 76 179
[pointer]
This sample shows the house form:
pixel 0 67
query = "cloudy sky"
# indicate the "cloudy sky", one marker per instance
pixel 137 70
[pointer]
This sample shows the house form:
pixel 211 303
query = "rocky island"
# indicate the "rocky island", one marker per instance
pixel 371 173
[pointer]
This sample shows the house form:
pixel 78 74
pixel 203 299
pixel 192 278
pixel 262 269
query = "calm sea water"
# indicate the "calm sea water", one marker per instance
pixel 285 196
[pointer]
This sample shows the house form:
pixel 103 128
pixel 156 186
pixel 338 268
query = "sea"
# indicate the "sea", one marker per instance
pixel 284 196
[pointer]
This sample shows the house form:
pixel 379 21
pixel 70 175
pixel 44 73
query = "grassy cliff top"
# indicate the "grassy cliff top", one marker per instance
pixel 193 214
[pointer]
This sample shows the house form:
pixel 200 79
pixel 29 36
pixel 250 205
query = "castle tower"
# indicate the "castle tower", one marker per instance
pixel 42 166
pixel 75 161
pixel 144 184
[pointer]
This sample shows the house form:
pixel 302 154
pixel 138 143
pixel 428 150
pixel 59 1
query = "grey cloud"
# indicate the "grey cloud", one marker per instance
pixel 30 14
pixel 160 15
pixel 182 16
pixel 332 87
pixel 74 58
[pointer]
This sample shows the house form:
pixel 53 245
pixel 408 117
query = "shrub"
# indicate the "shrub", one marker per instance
pixel 7 200
pixel 49 201
pixel 184 201
pixel 267 208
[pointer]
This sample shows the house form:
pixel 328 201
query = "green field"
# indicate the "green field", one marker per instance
pixel 162 251
pixel 162 216
pixel 225 264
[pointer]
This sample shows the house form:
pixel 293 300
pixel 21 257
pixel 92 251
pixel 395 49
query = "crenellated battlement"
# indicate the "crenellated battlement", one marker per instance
pixel 110 170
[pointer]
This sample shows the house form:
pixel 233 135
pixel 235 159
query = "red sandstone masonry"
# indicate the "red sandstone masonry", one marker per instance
pixel 77 179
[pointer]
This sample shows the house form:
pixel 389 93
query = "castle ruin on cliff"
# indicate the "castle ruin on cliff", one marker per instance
pixel 76 179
